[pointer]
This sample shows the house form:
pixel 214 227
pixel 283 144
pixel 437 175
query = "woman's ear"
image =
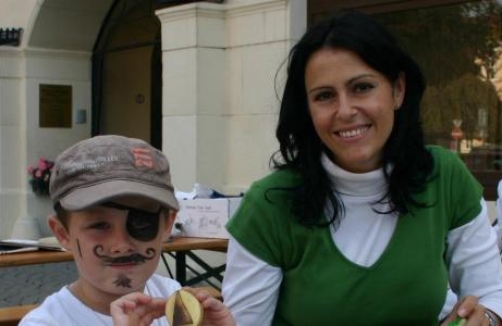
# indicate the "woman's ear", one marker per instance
pixel 399 90
pixel 59 231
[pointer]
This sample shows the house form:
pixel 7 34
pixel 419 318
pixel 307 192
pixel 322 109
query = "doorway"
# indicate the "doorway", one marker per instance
pixel 127 73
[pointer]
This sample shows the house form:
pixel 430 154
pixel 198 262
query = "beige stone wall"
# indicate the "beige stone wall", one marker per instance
pixel 13 14
pixel 220 106
pixel 22 141
pixel 54 68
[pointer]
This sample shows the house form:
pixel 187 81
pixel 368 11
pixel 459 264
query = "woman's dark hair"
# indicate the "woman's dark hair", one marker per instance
pixel 300 146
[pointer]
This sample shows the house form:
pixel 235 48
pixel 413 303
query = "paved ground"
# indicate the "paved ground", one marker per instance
pixel 31 284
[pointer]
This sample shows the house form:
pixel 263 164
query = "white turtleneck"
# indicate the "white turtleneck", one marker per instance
pixel 362 234
pixel 251 285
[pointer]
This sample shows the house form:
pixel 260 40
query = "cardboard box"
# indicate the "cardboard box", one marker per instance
pixel 206 218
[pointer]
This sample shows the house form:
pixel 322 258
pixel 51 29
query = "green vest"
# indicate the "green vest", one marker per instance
pixel 405 286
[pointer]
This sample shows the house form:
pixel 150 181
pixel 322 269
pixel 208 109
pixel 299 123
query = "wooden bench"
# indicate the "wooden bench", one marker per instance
pixel 11 316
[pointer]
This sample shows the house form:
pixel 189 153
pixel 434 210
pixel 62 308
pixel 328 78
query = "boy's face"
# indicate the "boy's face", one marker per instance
pixel 116 246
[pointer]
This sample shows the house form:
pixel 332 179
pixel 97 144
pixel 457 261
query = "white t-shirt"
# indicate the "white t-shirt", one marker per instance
pixel 63 308
pixel 498 216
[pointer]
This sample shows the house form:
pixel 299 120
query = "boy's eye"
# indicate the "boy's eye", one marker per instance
pixel 142 225
pixel 140 222
pixel 100 226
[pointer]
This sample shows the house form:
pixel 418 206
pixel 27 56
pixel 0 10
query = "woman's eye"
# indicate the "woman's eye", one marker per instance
pixel 323 96
pixel 362 87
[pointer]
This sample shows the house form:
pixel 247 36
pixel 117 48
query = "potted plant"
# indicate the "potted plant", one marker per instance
pixel 40 176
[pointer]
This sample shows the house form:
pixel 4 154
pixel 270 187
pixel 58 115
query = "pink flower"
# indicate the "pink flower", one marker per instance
pixel 40 176
pixel 42 163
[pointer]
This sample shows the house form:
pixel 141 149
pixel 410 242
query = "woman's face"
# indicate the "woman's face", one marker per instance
pixel 352 107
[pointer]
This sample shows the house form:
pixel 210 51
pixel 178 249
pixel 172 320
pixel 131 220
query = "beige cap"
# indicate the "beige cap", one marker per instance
pixel 101 168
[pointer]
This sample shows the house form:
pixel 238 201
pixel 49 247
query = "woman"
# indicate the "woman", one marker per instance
pixel 361 223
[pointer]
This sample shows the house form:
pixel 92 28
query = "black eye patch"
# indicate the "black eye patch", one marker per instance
pixel 140 224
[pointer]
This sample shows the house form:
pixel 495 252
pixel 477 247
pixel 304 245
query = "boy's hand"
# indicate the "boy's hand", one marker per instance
pixel 215 312
pixel 136 309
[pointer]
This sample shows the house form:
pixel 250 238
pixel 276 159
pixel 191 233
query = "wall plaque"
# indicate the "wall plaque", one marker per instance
pixel 55 106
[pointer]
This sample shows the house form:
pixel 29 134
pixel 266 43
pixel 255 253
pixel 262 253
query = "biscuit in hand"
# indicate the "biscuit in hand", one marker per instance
pixel 183 309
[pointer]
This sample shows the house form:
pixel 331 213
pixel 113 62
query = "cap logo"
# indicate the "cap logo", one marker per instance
pixel 73 167
pixel 142 157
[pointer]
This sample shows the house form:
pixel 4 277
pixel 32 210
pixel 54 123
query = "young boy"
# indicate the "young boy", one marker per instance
pixel 115 206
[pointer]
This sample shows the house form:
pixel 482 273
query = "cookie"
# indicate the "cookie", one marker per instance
pixel 183 309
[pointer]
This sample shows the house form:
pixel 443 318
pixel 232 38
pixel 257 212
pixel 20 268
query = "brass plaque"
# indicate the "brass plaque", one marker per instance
pixel 55 106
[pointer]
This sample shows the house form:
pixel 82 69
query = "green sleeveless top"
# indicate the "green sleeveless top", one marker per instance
pixel 405 286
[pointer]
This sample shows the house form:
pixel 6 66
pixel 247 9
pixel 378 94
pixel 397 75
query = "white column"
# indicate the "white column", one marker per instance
pixel 219 90
pixel 193 59
pixel 12 146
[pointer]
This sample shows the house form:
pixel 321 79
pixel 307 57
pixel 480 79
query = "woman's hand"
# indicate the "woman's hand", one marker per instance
pixel 136 309
pixel 469 309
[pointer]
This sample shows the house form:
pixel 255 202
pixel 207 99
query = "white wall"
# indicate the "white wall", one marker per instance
pixel 54 68
pixel 22 141
pixel 219 110
pixel 21 14
pixel 12 139
pixel 219 102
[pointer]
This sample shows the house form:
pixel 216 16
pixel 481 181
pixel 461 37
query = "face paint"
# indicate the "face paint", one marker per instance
pixel 79 250
pixel 140 224
pixel 122 281
pixel 124 260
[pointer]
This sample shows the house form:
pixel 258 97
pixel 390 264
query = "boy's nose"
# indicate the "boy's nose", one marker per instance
pixel 121 242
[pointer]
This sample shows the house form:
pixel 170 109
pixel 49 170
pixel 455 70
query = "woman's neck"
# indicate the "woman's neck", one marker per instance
pixel 355 184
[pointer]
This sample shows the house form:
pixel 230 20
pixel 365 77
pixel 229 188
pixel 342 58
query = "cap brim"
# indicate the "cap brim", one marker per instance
pixel 85 197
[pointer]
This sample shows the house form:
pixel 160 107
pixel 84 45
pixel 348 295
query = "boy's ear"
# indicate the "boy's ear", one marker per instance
pixel 169 224
pixel 59 231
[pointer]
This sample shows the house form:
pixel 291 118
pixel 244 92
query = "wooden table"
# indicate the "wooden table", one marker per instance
pixel 182 248
pixel 34 257
pixel 185 244
pixel 179 248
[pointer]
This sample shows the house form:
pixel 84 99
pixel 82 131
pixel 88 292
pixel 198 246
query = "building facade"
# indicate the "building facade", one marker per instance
pixel 201 80
pixel 220 63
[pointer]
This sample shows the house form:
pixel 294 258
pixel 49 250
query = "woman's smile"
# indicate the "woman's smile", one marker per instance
pixel 352 133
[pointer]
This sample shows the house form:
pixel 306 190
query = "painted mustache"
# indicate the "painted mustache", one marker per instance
pixel 135 258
